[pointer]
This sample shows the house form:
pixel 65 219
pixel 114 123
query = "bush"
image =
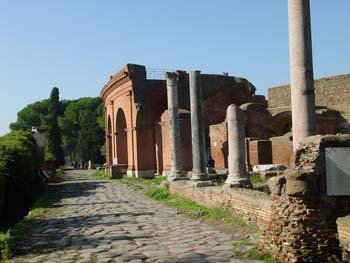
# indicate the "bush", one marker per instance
pixel 21 182
pixel 158 193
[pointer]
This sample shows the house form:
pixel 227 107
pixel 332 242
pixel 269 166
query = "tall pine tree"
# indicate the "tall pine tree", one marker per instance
pixel 53 145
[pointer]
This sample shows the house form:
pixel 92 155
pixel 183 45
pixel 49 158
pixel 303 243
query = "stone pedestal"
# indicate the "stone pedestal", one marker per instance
pixel 301 71
pixel 199 174
pixel 176 172
pixel 238 176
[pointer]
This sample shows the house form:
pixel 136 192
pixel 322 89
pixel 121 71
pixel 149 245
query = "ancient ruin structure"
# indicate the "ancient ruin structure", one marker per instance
pixel 268 129
pixel 137 117
pixel 303 224
pixel 149 123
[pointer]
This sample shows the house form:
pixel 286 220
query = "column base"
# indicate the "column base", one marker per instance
pixel 140 173
pixel 237 182
pixel 200 183
pixel 199 177
pixel 176 176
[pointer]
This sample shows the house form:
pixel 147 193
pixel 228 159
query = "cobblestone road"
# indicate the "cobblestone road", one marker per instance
pixel 104 221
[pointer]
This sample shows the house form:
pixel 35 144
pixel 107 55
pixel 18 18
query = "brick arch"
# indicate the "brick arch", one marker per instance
pixel 121 137
pixel 109 145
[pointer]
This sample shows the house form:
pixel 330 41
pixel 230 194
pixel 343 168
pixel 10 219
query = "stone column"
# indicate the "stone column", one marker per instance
pixel 301 70
pixel 237 177
pixel 199 174
pixel 176 172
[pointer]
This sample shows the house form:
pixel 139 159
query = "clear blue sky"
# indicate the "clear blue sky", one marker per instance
pixel 77 44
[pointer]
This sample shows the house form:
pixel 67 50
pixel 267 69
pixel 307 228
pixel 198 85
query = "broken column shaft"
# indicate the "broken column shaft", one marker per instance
pixel 237 176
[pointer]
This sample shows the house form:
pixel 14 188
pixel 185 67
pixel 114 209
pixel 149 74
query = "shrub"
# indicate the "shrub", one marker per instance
pixel 21 182
pixel 102 175
pixel 158 193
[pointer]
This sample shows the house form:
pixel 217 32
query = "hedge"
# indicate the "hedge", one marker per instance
pixel 20 179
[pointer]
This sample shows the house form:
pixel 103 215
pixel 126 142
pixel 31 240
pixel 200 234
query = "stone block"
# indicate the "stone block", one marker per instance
pixel 338 171
pixel 277 184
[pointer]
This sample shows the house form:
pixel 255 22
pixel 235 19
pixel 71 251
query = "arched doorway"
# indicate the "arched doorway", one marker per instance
pixel 109 142
pixel 122 140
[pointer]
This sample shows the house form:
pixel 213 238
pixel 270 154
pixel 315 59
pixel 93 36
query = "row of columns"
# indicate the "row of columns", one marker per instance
pixel 236 138
pixel 303 106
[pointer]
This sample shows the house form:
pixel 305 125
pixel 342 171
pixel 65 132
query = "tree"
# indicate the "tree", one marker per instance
pixel 31 115
pixel 53 143
pixel 81 131
pixel 75 128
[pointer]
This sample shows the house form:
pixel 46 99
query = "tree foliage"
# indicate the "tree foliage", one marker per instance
pixel 53 140
pixel 31 115
pixel 75 128
pixel 20 182
pixel 82 133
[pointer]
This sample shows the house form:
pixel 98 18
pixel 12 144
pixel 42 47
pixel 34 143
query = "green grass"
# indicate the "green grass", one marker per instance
pixel 253 253
pixel 59 171
pixel 154 181
pixel 149 182
pixel 160 194
pixel 102 175
pixel 193 209
pixel 10 240
pixel 256 179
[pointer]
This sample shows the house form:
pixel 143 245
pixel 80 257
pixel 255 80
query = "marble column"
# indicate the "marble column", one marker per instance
pixel 238 176
pixel 301 70
pixel 199 174
pixel 176 172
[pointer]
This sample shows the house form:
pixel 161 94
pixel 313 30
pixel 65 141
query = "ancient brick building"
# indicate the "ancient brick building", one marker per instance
pixel 269 127
pixel 137 137
pixel 136 117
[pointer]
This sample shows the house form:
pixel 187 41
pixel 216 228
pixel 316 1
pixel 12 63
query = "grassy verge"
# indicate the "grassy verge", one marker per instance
pixel 148 182
pixel 193 209
pixel 256 179
pixel 102 175
pixel 248 250
pixel 10 240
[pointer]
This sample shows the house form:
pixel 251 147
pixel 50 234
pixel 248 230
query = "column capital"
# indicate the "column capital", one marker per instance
pixel 173 76
pixel 195 72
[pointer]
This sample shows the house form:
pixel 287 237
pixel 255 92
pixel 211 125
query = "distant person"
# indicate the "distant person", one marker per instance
pixel 211 162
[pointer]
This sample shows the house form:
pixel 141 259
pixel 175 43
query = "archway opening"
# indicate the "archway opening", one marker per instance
pixel 109 142
pixel 122 140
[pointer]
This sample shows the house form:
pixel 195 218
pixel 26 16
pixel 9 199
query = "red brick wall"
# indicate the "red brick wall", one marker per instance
pixel 218 144
pixel 282 149
pixel 259 152
pixel 250 204
pixel 185 141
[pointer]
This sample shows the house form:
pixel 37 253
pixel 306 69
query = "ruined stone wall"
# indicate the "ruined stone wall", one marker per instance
pixel 250 204
pixel 332 92
pixel 303 225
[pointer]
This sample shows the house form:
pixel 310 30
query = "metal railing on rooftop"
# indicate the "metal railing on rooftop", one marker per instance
pixel 157 73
